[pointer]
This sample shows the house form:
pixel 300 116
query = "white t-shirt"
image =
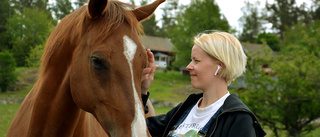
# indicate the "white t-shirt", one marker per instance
pixel 198 118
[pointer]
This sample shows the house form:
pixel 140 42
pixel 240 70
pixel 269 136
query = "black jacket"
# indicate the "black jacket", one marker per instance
pixel 234 120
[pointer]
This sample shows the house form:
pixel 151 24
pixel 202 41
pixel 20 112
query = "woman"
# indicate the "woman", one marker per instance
pixel 216 60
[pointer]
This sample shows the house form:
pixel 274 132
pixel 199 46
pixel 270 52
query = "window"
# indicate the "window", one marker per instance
pixel 156 58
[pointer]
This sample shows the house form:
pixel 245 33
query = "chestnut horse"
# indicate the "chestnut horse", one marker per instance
pixel 90 78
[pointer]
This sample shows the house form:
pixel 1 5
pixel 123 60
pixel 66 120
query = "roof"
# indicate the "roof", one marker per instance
pixel 156 43
pixel 251 48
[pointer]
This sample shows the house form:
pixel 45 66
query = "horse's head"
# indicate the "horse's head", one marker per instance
pixel 107 64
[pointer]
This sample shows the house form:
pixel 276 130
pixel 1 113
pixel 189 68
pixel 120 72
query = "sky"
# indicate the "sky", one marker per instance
pixel 231 9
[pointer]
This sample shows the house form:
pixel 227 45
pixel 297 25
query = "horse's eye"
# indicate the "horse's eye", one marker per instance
pixel 97 63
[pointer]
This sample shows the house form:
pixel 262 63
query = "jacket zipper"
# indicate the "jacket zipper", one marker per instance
pixel 171 120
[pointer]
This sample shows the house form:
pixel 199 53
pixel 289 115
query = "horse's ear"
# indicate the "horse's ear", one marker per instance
pixel 96 8
pixel 146 10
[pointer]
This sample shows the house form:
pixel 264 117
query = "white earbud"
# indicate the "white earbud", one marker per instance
pixel 217 70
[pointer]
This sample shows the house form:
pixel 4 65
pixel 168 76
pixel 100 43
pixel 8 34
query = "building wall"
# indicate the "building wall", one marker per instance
pixel 162 60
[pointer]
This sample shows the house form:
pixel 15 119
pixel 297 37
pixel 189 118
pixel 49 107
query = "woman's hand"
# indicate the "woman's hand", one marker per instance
pixel 148 73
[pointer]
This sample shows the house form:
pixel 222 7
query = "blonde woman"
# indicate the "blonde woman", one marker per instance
pixel 217 59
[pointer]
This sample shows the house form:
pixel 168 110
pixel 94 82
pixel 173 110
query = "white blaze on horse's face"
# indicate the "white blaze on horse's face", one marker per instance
pixel 138 125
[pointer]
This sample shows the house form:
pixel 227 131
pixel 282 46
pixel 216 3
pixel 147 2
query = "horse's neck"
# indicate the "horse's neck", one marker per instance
pixel 48 110
pixel 56 114
pixel 53 110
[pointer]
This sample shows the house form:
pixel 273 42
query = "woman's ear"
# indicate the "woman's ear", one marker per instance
pixel 219 66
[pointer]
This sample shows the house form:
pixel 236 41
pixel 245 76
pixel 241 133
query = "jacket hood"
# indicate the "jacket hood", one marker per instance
pixel 233 103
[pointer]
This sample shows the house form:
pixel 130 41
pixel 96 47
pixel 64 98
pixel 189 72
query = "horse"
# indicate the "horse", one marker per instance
pixel 90 76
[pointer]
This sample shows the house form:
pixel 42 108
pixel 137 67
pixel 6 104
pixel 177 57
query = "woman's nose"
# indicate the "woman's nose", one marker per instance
pixel 189 67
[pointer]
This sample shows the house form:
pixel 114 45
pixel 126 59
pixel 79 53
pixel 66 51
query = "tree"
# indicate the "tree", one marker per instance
pixel 21 50
pixel 197 17
pixel 288 97
pixel 304 35
pixel 34 56
pixel 251 22
pixel 62 8
pixel 26 30
pixel 21 4
pixel 5 12
pixel 7 70
pixel 282 14
pixel 80 3
pixel 132 2
pixel 150 26
pixel 315 10
pixel 271 39
pixel 168 17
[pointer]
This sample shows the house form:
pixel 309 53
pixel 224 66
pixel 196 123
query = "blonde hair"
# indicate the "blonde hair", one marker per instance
pixel 225 48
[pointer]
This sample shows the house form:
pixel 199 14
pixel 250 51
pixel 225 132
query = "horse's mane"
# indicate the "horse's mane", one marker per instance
pixel 71 30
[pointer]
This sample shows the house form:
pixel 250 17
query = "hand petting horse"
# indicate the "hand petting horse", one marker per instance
pixel 90 77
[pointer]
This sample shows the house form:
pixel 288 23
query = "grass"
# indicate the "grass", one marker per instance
pixel 161 110
pixel 17 94
pixel 166 87
pixel 7 112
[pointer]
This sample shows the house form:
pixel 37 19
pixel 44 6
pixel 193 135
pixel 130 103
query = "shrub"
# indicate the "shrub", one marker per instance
pixel 271 39
pixel 7 70
pixel 34 57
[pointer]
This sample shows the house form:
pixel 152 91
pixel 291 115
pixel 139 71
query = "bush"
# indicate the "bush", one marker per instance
pixel 34 57
pixel 271 39
pixel 7 70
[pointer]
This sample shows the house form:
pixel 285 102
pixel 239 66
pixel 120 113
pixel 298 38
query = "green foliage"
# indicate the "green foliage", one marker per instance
pixel 283 14
pixel 21 4
pixel 288 97
pixel 5 12
pixel 251 22
pixel 305 35
pixel 80 3
pixel 150 26
pixel 27 29
pixel 7 70
pixel 271 39
pixel 34 56
pixel 197 17
pixel 21 49
pixel 63 7
pixel 168 17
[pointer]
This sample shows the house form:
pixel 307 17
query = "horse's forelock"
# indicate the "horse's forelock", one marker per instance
pixel 115 15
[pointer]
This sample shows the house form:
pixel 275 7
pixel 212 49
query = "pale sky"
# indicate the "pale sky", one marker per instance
pixel 231 9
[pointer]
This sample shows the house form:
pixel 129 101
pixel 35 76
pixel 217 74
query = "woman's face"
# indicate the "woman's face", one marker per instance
pixel 202 69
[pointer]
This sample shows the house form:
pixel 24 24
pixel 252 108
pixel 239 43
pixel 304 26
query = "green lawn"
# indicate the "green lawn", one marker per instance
pixel 169 86
pixel 7 112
